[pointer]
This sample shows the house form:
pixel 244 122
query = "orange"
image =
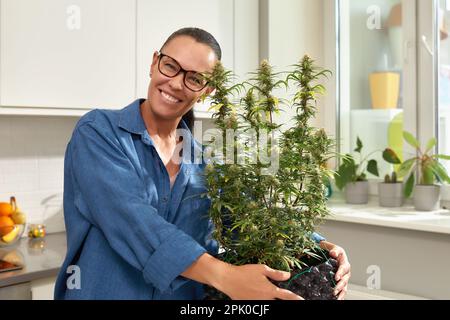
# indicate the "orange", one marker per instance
pixel 6 225
pixel 6 209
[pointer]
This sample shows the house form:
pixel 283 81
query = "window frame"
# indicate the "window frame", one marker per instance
pixel 420 76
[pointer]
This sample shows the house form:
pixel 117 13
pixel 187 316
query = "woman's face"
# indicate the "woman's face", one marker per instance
pixel 169 98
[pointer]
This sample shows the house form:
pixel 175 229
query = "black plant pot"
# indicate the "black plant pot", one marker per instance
pixel 315 282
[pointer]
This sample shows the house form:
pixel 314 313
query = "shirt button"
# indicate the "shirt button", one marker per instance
pixel 165 199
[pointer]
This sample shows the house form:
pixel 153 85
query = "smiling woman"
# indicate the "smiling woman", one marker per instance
pixel 137 226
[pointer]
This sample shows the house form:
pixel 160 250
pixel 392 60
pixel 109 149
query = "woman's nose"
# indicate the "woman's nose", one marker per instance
pixel 177 82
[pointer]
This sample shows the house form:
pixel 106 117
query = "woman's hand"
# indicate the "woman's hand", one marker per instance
pixel 343 274
pixel 249 282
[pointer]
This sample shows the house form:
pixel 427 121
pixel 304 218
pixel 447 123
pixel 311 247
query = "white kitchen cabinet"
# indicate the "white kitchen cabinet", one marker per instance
pixel 157 20
pixel 61 55
pixel 20 291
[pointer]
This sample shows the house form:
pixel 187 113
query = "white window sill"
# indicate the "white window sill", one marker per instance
pixel 356 292
pixel 405 217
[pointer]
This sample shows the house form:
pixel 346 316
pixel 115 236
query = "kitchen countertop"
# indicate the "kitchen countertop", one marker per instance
pixel 42 258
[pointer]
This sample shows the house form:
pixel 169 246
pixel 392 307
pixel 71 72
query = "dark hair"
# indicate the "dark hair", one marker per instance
pixel 200 36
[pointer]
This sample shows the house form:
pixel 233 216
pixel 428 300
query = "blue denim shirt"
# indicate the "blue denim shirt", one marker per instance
pixel 128 233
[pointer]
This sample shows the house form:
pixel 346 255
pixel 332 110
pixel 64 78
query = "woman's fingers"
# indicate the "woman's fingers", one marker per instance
pixel 342 294
pixel 341 287
pixel 284 294
pixel 276 275
pixel 343 270
pixel 344 265
pixel 279 275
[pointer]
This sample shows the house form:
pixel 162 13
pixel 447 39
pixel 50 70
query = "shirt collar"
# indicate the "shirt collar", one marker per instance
pixel 131 118
pixel 131 121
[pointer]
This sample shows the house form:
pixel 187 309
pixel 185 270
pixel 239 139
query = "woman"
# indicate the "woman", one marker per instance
pixel 135 227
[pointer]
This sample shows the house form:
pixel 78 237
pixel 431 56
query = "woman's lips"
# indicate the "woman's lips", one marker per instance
pixel 169 98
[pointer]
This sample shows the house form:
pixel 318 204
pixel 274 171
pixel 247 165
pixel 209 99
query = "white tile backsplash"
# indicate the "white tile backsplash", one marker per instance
pixel 32 165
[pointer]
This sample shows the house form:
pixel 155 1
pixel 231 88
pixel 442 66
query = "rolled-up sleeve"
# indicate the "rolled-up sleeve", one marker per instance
pixel 112 196
pixel 316 237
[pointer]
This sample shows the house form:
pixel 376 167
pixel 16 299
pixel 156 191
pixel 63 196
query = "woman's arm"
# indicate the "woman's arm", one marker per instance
pixel 109 193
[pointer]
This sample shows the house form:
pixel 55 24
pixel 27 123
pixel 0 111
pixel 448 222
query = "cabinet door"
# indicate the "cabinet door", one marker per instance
pixel 21 291
pixel 157 20
pixel 67 54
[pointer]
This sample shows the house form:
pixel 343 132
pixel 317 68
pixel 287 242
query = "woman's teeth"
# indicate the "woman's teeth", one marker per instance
pixel 169 98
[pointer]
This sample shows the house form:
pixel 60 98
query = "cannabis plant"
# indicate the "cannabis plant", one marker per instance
pixel 266 185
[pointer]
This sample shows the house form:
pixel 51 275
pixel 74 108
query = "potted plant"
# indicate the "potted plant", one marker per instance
pixel 421 173
pixel 351 176
pixel 265 213
pixel 390 192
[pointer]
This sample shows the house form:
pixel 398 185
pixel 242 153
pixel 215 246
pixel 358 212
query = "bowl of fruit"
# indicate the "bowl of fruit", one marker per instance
pixel 12 223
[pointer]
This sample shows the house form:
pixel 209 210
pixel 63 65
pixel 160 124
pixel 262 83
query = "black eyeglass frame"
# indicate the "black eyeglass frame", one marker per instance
pixel 161 55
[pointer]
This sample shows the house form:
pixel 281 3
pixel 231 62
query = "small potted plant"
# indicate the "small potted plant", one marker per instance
pixel 390 192
pixel 422 172
pixel 352 177
pixel 266 214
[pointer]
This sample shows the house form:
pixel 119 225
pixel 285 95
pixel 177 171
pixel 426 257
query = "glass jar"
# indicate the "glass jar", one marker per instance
pixel 36 231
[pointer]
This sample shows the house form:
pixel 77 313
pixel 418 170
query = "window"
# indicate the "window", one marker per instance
pixel 371 66
pixel 443 94
pixel 391 60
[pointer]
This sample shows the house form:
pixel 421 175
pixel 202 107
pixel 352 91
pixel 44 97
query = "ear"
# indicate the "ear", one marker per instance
pixel 154 62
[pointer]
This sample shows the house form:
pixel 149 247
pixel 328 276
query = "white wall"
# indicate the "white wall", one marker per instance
pixel 295 28
pixel 31 165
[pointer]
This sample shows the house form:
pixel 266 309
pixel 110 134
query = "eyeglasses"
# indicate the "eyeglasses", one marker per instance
pixel 169 67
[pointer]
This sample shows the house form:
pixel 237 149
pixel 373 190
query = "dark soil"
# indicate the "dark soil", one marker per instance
pixel 313 283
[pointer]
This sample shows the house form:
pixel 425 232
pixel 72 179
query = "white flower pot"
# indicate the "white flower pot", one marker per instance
pixel 390 194
pixel 427 197
pixel 357 192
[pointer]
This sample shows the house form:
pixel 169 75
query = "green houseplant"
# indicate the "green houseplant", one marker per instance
pixel 390 192
pixel 421 172
pixel 352 175
pixel 266 213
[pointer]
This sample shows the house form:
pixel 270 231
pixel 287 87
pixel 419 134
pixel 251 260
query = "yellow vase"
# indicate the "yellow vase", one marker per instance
pixel 384 89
